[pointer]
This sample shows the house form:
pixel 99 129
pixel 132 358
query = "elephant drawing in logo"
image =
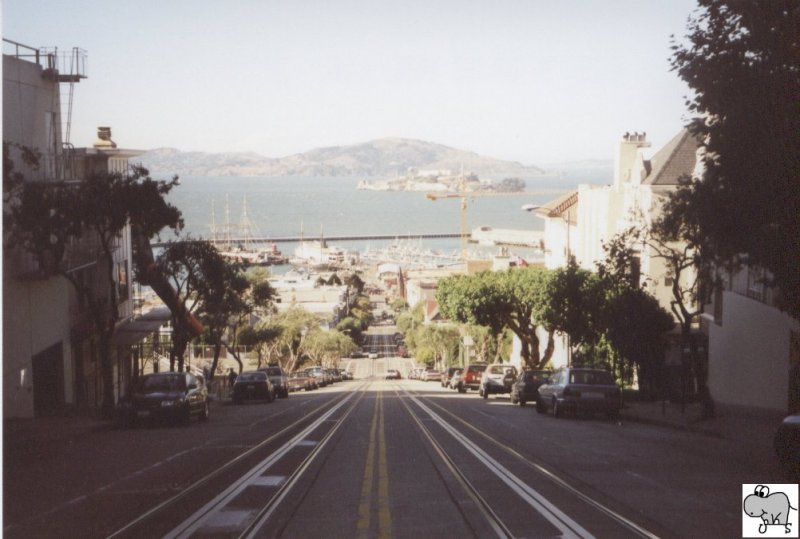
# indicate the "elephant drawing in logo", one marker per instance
pixel 772 509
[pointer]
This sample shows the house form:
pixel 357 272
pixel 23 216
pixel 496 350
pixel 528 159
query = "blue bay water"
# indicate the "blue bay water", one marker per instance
pixel 280 206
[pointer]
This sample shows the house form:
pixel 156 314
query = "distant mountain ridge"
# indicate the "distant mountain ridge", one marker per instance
pixel 378 158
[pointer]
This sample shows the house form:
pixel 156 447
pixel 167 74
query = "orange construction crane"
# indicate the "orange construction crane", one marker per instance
pixel 464 195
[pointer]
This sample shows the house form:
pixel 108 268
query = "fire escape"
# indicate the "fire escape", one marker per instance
pixel 66 69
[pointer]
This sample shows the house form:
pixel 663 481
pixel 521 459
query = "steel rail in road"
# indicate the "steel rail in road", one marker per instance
pixel 220 503
pixel 171 502
pixel 543 470
pixel 494 521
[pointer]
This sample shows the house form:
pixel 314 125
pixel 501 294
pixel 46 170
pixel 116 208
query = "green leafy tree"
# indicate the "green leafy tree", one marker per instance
pixel 440 339
pixel 197 273
pixel 45 219
pixel 296 324
pixel 351 327
pixel 398 305
pixel 741 61
pixel 576 299
pixel 228 300
pixel 327 347
pixel 517 299
pixel 265 339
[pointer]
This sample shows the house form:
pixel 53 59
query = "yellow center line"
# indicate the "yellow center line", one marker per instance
pixel 377 437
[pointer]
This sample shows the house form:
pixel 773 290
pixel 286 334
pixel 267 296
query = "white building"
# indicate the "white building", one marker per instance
pixel 580 222
pixel 754 348
pixel 50 361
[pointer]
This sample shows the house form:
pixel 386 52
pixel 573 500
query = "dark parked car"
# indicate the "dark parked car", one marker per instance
pixel 253 385
pixel 171 396
pixel 471 377
pixel 580 390
pixel 526 388
pixel 497 378
pixel 787 445
pixel 278 379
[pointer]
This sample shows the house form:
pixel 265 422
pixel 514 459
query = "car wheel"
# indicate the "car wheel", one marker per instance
pixel 522 402
pixel 204 414
pixel 541 407
pixel 461 388
pixel 485 393
pixel 613 415
pixel 556 408
pixel 514 400
pixel 285 394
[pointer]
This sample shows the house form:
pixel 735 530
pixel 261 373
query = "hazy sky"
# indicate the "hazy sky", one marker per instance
pixel 537 81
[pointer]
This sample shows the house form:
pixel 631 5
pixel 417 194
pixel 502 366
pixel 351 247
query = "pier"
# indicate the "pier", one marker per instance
pixel 287 239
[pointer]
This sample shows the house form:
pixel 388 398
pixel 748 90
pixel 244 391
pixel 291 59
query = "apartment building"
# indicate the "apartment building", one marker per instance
pixel 50 353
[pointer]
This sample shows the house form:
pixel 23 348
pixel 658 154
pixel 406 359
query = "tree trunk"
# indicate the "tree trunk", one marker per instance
pixel 107 376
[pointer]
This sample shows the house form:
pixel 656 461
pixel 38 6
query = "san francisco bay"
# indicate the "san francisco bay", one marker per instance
pixel 315 206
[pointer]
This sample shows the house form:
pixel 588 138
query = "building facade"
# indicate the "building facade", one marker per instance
pixel 50 349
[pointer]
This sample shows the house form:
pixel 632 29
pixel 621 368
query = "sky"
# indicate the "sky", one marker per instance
pixel 535 81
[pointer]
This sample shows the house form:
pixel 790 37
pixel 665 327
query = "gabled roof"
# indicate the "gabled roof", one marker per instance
pixel 677 158
pixel 563 206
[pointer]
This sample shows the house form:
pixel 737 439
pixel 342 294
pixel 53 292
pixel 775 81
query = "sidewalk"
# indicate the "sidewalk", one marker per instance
pixel 751 426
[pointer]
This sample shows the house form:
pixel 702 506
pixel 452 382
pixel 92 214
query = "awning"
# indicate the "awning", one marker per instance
pixel 140 327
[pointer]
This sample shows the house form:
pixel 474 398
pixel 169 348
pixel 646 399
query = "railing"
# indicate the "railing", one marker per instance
pixel 20 51
pixel 71 64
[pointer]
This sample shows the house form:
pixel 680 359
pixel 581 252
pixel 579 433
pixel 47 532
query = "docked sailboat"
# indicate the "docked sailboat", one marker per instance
pixel 236 243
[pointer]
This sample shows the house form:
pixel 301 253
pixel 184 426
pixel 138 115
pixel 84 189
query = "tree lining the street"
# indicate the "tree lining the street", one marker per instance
pixel 516 299
pixel 742 62
pixel 49 220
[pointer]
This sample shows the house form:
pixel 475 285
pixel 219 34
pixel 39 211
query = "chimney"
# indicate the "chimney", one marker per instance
pixel 104 139
pixel 629 159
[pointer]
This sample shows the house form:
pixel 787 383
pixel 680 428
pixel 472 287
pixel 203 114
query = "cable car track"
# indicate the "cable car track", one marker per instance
pixel 565 524
pixel 296 434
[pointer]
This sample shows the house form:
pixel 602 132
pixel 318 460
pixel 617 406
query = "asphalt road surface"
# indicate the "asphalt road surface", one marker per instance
pixel 379 458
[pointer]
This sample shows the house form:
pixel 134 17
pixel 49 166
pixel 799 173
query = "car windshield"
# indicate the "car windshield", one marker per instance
pixel 274 371
pixel 476 368
pixel 252 377
pixel 297 375
pixel 591 378
pixel 167 382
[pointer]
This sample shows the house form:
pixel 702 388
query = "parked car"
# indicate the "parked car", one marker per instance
pixel 787 445
pixel 253 385
pixel 580 390
pixel 455 379
pixel 497 378
pixel 447 375
pixel 171 396
pixel 430 375
pixel 526 388
pixel 300 381
pixel 278 379
pixel 393 374
pixel 318 373
pixel 471 377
